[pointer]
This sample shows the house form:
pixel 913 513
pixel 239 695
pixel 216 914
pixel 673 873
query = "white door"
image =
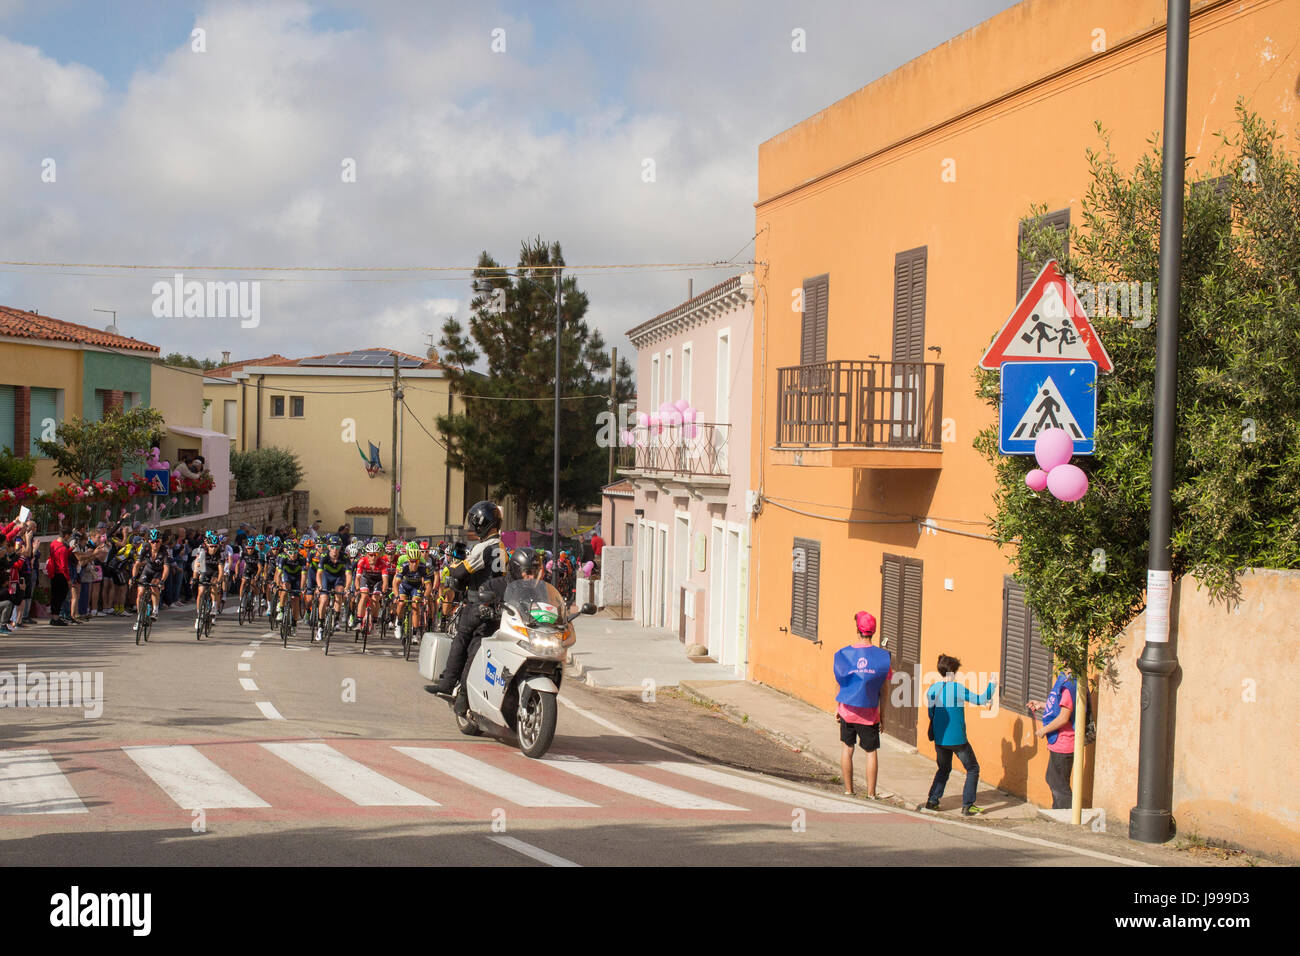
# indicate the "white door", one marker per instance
pixel 722 406
pixel 717 579
pixel 731 603
pixel 681 567
pixel 665 599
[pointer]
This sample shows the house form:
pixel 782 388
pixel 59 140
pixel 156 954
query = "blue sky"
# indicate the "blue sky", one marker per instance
pixel 233 156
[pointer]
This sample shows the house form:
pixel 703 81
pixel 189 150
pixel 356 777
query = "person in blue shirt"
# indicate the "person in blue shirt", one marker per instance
pixel 947 701
pixel 861 669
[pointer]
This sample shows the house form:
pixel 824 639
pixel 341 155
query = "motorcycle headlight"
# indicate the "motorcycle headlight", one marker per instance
pixel 547 643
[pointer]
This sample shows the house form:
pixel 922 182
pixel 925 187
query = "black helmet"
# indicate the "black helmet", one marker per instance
pixel 459 550
pixel 523 563
pixel 484 518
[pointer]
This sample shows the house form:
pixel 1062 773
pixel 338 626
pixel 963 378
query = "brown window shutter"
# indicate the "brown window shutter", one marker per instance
pixel 891 590
pixel 1028 271
pixel 1039 672
pixel 909 645
pixel 813 328
pixel 1014 664
pixel 804 589
pixel 909 305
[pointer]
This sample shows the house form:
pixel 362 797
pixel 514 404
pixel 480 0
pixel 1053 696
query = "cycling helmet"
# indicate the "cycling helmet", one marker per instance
pixel 413 550
pixel 354 548
pixel 484 518
pixel 459 550
pixel 390 546
pixel 136 539
pixel 210 537
pixel 275 541
pixel 424 546
pixel 153 534
pixel 260 539
pixel 335 541
pixel 523 563
pixel 373 548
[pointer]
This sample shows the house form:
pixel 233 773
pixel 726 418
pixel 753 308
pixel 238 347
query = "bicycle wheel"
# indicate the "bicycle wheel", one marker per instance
pixel 200 611
pixel 284 623
pixel 139 625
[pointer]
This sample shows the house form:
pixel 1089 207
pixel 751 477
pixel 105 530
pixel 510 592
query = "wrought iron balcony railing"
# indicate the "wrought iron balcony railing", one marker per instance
pixel 685 450
pixel 860 404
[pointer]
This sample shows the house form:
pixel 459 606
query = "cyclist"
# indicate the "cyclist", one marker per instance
pixel 372 569
pixel 333 574
pixel 250 570
pixel 291 575
pixel 269 579
pixel 408 582
pixel 353 552
pixel 150 571
pixel 209 571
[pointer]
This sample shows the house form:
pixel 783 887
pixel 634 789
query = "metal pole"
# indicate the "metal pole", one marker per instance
pixel 618 424
pixel 392 502
pixel 1150 821
pixel 555 491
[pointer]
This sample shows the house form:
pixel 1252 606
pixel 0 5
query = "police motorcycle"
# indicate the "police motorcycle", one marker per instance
pixel 514 679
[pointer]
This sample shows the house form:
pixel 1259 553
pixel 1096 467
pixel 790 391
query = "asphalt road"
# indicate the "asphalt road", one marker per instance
pixel 238 751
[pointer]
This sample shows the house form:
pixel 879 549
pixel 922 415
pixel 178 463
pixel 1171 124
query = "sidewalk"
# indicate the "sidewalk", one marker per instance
pixel 905 775
pixel 621 655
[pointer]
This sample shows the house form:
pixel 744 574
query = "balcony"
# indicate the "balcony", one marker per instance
pixel 679 455
pixel 860 414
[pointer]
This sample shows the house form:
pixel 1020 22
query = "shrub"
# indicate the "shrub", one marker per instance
pixel 264 471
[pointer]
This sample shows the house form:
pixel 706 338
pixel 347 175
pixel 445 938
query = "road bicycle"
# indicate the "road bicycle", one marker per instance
pixel 203 622
pixel 406 628
pixel 144 614
pixel 288 624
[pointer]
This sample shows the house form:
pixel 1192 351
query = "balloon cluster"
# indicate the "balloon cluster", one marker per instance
pixel 679 414
pixel 1052 450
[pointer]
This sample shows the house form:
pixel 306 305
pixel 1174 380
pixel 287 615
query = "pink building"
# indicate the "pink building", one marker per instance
pixel 689 469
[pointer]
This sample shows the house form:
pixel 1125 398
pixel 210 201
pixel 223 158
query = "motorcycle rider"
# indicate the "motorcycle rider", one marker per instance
pixel 484 563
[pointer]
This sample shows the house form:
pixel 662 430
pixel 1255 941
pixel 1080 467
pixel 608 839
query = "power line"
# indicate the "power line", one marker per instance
pixel 492 271
pixel 510 398
pixel 423 429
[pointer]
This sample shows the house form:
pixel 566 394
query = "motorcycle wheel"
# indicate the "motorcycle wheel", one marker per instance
pixel 536 723
pixel 467 727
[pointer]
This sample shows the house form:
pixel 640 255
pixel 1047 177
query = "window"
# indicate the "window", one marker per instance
pixel 900 633
pixel 812 330
pixel 277 406
pixel 230 417
pixel 909 305
pixel 687 356
pixel 1026 663
pixel 7 407
pixel 295 406
pixel 44 416
pixel 654 383
pixel 805 587
pixel 668 378
pixel 1027 272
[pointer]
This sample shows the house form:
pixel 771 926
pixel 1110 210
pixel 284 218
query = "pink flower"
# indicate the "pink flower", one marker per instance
pixel 135 508
pixel 61 515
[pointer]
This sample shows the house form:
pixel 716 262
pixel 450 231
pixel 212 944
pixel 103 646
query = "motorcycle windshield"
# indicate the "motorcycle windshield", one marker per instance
pixel 536 602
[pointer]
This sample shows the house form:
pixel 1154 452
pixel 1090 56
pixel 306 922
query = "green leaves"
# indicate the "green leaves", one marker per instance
pixel 270 471
pixel 85 450
pixel 1236 493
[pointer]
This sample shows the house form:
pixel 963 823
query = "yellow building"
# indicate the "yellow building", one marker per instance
pixel 327 408
pixel 893 216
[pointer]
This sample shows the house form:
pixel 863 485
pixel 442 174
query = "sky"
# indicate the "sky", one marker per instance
pixel 122 143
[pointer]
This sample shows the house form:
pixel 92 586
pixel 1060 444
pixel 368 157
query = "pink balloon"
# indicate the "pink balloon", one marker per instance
pixel 640 440
pixel 690 431
pixel 550 565
pixel 1036 479
pixel 671 418
pixel 689 414
pixel 588 568
pixel 61 515
pixel 625 438
pixel 681 405
pixel 654 419
pixel 642 419
pixel 1067 482
pixel 1053 447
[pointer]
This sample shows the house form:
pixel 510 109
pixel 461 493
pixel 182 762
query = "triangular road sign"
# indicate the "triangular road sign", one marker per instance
pixel 1048 325
pixel 1047 410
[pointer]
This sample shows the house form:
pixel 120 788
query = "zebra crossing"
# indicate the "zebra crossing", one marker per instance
pixel 320 778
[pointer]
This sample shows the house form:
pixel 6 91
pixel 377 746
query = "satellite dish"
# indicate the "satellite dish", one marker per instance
pixel 432 353
pixel 112 330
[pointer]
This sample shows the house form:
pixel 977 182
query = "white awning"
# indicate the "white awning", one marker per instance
pixel 195 431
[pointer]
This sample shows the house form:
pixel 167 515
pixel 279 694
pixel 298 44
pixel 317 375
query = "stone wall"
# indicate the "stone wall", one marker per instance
pixel 617 579
pixel 289 510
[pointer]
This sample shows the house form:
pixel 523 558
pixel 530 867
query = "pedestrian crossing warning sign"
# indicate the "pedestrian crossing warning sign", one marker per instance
pixel 1048 325
pixel 1041 395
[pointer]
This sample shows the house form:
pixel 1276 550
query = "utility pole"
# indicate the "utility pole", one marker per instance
pixel 1149 821
pixel 555 490
pixel 618 424
pixel 392 503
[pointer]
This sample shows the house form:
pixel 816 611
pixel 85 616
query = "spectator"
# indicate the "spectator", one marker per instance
pixel 345 535
pixel 861 669
pixel 1057 725
pixel 946 702
pixel 597 545
pixel 587 550
pixel 58 571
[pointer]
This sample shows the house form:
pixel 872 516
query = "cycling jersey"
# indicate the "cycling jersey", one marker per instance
pixel 292 567
pixel 151 566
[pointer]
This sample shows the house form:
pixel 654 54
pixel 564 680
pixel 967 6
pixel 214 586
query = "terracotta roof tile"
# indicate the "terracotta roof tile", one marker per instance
pixel 30 325
pixel 366 510
pixel 225 371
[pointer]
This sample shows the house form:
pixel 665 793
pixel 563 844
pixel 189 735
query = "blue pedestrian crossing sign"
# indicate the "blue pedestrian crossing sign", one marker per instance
pixel 1041 395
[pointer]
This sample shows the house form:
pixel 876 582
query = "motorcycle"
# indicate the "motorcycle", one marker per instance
pixel 514 678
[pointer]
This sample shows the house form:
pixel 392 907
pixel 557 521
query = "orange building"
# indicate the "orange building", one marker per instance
pixel 893 217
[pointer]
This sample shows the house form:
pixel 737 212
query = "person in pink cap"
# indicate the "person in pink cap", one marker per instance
pixel 861 670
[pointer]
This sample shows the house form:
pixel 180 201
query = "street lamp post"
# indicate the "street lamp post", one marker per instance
pixel 555 489
pixel 1151 820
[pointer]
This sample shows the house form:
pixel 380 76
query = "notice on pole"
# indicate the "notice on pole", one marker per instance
pixel 1159 586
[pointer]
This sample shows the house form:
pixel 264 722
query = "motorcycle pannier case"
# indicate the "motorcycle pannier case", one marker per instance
pixel 434 649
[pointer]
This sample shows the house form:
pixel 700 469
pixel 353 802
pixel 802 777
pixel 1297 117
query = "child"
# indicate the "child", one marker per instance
pixel 946 702
pixel 861 669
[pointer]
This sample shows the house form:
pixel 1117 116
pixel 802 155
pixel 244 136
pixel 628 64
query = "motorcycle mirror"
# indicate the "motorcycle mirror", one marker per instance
pixel 589 609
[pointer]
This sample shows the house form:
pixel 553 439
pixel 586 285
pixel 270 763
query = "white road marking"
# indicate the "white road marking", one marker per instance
pixel 762 788
pixel 497 782
pixel 268 710
pixel 248 654
pixel 636 786
pixel 247 683
pixel 191 779
pixel 536 853
pixel 254 643
pixel 244 666
pixel 347 777
pixel 31 782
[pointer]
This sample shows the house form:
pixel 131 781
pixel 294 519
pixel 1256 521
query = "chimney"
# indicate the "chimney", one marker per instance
pixel 690 289
pixel 225 358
